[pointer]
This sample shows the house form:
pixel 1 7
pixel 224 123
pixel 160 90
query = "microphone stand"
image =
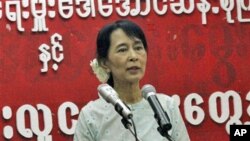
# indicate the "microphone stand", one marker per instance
pixel 128 125
pixel 164 128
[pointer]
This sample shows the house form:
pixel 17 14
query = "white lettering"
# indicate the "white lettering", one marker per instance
pixel 14 16
pixel 62 119
pixel 243 131
pixel 248 108
pixel 102 8
pixel 147 8
pixel 66 11
pixel 232 121
pixel 179 7
pixel 125 6
pixel 137 9
pixel 164 7
pixel 88 7
pixel 240 132
pixel 45 56
pixel 40 9
pixel 55 41
pixel 28 119
pixel 237 132
pixel 190 109
pixel 47 119
pixel 224 102
pixel 1 13
pixel 228 6
pixel 34 122
pixel 204 7
pixel 39 15
pixel 241 6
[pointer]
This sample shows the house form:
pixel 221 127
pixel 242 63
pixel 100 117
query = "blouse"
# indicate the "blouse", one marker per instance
pixel 98 121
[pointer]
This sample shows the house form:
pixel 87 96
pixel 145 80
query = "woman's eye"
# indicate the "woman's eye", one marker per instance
pixel 122 50
pixel 139 48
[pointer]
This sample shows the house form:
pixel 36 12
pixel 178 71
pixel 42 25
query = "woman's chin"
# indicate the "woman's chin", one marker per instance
pixel 134 79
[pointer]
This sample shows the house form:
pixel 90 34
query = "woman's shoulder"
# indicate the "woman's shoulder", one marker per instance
pixel 97 108
pixel 97 104
pixel 166 100
pixel 164 97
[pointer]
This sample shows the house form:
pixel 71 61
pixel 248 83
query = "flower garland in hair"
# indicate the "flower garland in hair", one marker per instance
pixel 100 73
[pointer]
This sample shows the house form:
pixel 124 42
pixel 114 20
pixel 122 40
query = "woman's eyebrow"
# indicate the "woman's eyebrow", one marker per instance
pixel 120 44
pixel 138 42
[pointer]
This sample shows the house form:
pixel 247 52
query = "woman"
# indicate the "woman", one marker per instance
pixel 121 62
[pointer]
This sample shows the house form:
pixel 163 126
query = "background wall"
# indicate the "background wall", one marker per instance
pixel 201 59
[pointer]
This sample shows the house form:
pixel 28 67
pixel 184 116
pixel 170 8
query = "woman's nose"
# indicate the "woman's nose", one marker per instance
pixel 132 55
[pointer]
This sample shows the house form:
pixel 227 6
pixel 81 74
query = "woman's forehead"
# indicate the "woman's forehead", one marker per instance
pixel 119 34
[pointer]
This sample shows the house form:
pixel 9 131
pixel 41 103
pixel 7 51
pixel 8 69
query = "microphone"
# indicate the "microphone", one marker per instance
pixel 149 93
pixel 110 95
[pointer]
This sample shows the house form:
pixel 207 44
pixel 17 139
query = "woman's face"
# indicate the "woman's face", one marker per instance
pixel 127 57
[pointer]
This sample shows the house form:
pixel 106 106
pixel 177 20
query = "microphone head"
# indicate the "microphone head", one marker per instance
pixel 110 95
pixel 107 93
pixel 148 90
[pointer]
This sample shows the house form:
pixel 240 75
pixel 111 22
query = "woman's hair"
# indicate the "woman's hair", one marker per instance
pixel 103 38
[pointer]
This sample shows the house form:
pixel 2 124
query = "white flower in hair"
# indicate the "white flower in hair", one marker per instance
pixel 100 73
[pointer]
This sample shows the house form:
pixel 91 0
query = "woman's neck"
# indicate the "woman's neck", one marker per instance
pixel 129 93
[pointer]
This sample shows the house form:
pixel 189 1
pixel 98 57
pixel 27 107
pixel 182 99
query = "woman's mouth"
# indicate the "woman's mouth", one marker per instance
pixel 133 69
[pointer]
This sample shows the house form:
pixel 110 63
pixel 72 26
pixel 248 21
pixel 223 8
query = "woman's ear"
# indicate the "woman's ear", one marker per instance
pixel 103 64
